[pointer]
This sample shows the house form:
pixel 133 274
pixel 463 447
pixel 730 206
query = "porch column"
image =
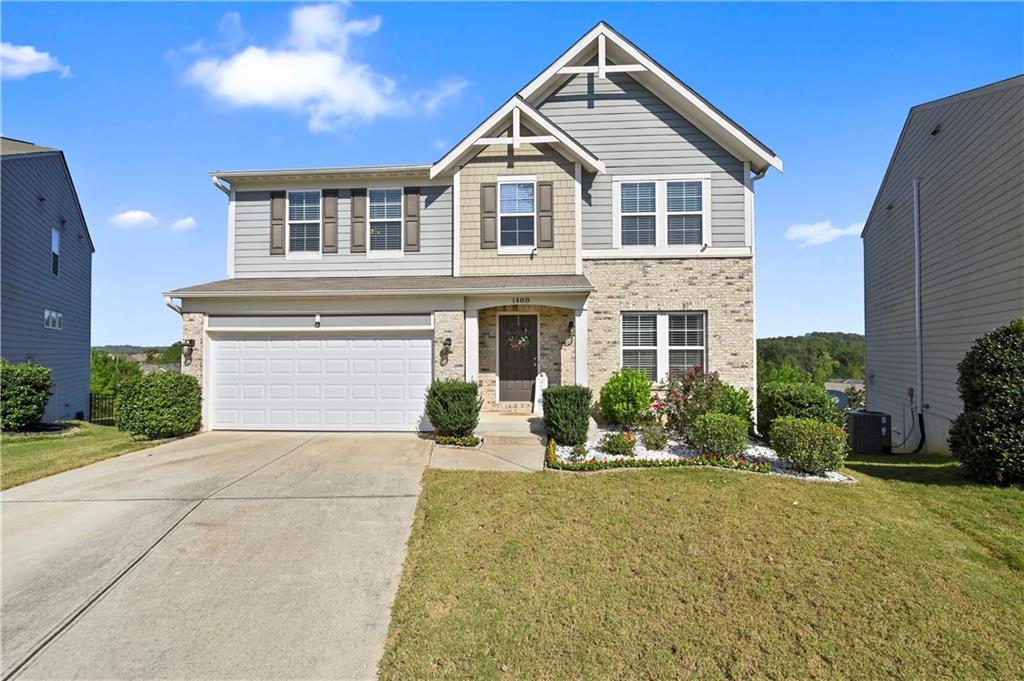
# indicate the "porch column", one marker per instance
pixel 472 345
pixel 582 349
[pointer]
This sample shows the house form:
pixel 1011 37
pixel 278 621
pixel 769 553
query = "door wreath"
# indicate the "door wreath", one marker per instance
pixel 517 340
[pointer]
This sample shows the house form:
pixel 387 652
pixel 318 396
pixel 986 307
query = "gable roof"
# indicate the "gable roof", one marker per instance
pixel 560 140
pixel 618 54
pixel 10 147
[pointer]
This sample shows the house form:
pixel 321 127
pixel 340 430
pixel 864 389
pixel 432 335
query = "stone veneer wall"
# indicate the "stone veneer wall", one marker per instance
pixel 450 324
pixel 192 324
pixel 724 287
pixel 556 356
pixel 488 166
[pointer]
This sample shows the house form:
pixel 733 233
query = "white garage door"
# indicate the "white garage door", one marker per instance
pixel 319 383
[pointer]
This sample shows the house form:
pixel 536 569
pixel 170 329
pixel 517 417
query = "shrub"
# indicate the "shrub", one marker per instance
pixel 697 393
pixel 799 400
pixel 457 441
pixel 808 445
pixel 579 453
pixel 654 438
pixel 988 437
pixel 453 406
pixel 718 435
pixel 24 391
pixel 107 372
pixel 736 401
pixel 626 398
pixel 618 444
pixel 159 405
pixel 567 413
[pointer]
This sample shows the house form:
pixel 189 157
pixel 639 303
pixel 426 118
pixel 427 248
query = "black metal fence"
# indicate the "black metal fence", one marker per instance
pixel 101 409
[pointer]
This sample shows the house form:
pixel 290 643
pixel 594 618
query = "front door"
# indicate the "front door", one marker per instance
pixel 517 357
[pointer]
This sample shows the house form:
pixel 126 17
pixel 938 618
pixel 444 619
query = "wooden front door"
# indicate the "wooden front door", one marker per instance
pixel 517 357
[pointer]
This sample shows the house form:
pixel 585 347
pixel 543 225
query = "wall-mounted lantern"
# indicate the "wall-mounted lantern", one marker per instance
pixel 446 349
pixel 187 346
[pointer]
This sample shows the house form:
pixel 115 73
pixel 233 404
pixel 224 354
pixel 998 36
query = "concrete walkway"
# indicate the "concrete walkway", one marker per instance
pixel 224 555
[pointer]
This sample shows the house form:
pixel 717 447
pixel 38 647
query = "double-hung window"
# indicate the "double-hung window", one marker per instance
pixel 662 211
pixel 638 219
pixel 304 222
pixel 55 251
pixel 685 212
pixel 517 210
pixel 663 344
pixel 385 220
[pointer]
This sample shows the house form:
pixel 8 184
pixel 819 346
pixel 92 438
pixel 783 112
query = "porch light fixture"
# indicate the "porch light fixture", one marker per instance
pixel 187 345
pixel 571 337
pixel 446 349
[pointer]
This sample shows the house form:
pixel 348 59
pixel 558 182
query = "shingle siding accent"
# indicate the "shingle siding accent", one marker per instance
pixel 635 133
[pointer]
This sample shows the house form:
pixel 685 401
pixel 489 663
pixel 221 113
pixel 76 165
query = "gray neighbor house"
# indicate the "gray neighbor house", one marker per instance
pixel 46 275
pixel 943 254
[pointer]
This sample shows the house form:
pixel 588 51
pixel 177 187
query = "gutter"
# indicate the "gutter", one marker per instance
pixel 376 292
pixel 220 185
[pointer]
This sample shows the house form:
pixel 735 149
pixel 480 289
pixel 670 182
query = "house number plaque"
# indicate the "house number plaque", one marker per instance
pixel 520 301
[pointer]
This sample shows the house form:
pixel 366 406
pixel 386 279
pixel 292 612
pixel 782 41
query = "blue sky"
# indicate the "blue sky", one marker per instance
pixel 146 99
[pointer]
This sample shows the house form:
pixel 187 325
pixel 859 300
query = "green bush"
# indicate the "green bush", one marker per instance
pixel 654 438
pixel 626 398
pixel 988 437
pixel 618 444
pixel 736 401
pixel 696 393
pixel 808 445
pixel 107 373
pixel 457 440
pixel 453 406
pixel 567 413
pixel 24 391
pixel 159 405
pixel 799 400
pixel 718 435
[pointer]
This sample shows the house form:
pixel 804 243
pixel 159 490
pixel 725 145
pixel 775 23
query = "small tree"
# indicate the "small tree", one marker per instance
pixel 453 406
pixel 108 373
pixel 626 398
pixel 24 391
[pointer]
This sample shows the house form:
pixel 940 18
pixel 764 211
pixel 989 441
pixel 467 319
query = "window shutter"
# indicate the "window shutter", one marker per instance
pixel 329 214
pixel 358 221
pixel 489 215
pixel 412 219
pixel 276 223
pixel 545 215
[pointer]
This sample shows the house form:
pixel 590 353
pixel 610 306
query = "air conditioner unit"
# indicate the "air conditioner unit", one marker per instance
pixel 870 432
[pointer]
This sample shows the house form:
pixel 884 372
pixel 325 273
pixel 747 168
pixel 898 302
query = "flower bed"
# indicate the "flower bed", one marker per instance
pixel 758 458
pixel 458 441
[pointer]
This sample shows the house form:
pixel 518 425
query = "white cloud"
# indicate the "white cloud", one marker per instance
pixel 18 62
pixel 821 233
pixel 131 219
pixel 441 145
pixel 312 72
pixel 184 224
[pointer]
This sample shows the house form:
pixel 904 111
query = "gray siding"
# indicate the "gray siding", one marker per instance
pixel 972 251
pixel 252 241
pixel 636 133
pixel 28 286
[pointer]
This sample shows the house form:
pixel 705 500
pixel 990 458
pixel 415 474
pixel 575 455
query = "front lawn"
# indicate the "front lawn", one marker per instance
pixel 26 457
pixel 912 573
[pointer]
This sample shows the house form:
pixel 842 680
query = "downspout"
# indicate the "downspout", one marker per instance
pixel 919 393
pixel 220 185
pixel 169 302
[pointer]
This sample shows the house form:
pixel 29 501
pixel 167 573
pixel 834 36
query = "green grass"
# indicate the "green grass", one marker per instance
pixel 912 573
pixel 24 458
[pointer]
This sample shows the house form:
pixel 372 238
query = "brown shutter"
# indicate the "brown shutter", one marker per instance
pixel 489 215
pixel 412 219
pixel 329 213
pixel 276 223
pixel 358 221
pixel 545 215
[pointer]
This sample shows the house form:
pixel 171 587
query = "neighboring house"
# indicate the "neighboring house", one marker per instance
pixel 46 275
pixel 943 254
pixel 602 217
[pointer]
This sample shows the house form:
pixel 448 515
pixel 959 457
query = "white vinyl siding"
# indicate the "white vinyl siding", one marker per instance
pixel 304 222
pixel 385 219
pixel 663 344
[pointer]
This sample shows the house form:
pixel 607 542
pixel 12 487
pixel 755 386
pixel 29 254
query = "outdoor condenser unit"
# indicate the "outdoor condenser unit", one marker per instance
pixel 870 432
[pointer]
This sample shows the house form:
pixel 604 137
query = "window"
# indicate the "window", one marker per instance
pixel 660 211
pixel 53 320
pixel 304 222
pixel 516 216
pixel 55 251
pixel 663 344
pixel 385 219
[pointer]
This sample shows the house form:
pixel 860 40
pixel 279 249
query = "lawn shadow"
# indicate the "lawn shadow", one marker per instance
pixel 923 469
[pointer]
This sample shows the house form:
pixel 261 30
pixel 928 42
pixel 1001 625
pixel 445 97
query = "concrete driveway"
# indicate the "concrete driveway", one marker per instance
pixel 224 555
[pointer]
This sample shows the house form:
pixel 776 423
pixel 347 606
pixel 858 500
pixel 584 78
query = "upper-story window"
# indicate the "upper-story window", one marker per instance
pixel 662 211
pixel 304 222
pixel 517 215
pixel 385 220
pixel 55 251
pixel 53 320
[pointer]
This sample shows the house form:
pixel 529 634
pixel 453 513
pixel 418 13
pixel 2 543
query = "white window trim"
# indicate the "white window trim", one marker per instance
pixel 662 338
pixel 303 255
pixel 53 320
pixel 661 213
pixel 516 179
pixel 383 254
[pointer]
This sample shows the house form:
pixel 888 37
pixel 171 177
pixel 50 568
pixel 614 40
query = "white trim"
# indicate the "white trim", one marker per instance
pixel 472 345
pixel 516 128
pixel 321 330
pixel 497 349
pixel 752 234
pixel 516 179
pixel 208 364
pixel 457 222
pixel 609 68
pixel 581 345
pixel 652 252
pixel 662 343
pixel 510 288
pixel 527 139
pixel 661 212
pixel 389 253
pixel 303 255
pixel 602 58
pixel 748 205
pixel 231 232
pixel 663 177
pixel 578 210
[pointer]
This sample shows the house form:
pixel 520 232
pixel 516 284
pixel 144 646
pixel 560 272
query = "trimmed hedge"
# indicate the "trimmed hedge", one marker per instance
pixel 722 435
pixel 567 413
pixel 798 400
pixel 988 437
pixel 453 406
pixel 159 405
pixel 24 392
pixel 808 445
pixel 626 398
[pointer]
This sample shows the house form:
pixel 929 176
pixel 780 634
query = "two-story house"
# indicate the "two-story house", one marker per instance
pixel 46 275
pixel 602 217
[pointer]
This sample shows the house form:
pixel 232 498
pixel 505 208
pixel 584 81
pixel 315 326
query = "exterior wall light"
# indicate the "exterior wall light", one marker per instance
pixel 187 345
pixel 446 349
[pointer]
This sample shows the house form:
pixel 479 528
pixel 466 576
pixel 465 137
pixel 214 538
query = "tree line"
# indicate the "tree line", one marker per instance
pixel 813 357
